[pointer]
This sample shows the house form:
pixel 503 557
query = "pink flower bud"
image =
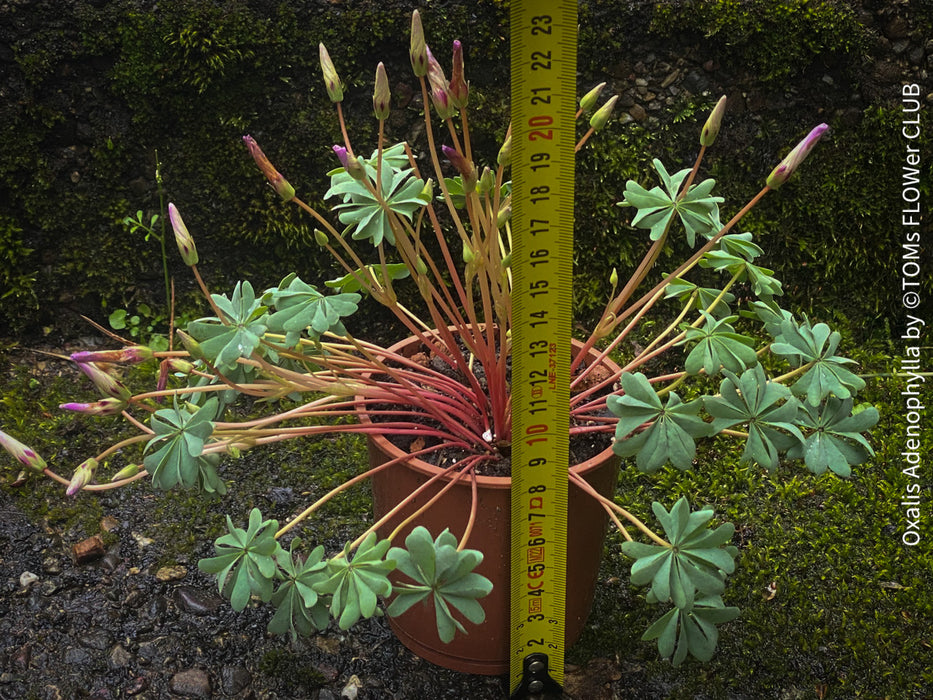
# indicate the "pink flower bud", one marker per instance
pixel 459 90
pixel 184 240
pixel 382 97
pixel 24 455
pixel 279 183
pixel 418 49
pixel 104 407
pixel 787 166
pixel 440 88
pixel 350 163
pixel 133 354
pixel 105 383
pixel 463 166
pixel 331 79
pixel 711 128
pixel 82 476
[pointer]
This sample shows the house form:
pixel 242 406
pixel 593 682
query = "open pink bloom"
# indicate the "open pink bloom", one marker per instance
pixel 786 167
pixel 24 455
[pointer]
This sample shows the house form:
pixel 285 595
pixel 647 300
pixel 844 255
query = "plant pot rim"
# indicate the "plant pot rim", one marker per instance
pixel 495 482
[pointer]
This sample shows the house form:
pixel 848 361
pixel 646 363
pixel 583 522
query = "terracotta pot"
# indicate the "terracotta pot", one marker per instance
pixel 485 649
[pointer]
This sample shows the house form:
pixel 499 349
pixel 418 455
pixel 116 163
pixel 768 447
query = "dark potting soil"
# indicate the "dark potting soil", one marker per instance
pixel 582 446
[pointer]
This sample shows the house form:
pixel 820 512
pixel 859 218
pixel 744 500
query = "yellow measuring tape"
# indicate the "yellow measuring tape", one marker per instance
pixel 544 60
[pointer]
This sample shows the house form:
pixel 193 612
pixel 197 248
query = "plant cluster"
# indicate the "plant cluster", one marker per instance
pixel 440 227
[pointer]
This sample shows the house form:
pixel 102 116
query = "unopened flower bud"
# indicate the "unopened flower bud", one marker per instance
pixel 440 88
pixel 711 128
pixel 331 79
pixel 104 407
pixel 505 213
pixel 382 97
pixel 106 384
pixel 418 51
pixel 505 153
pixel 176 364
pixel 132 355
pixel 427 192
pixel 588 101
pixel 350 163
pixel 787 166
pixel 82 476
pixel 320 237
pixel 459 90
pixel 486 181
pixel 507 261
pixel 279 183
pixel 184 240
pixel 463 166
pixel 191 345
pixel 420 266
pixel 128 472
pixel 468 254
pixel 614 277
pixel 601 116
pixel 22 454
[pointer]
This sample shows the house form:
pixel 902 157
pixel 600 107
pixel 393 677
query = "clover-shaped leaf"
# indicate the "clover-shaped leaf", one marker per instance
pixel 439 570
pixel 762 280
pixel 694 632
pixel 355 585
pixel 300 307
pixel 707 298
pixel 223 342
pixel 695 561
pixel 768 409
pixel 369 215
pixel 835 442
pixel 299 609
pixel 179 460
pixel 698 211
pixel 669 430
pixel 817 345
pixel 245 561
pixel 718 345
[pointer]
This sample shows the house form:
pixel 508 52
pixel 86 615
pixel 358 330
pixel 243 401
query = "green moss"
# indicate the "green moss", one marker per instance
pixel 294 671
pixel 779 40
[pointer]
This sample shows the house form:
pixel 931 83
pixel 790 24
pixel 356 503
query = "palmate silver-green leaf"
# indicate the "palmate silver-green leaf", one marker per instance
pixel 180 435
pixel 353 281
pixel 698 211
pixel 246 560
pixel 679 633
pixel 696 561
pixel 707 298
pixel 817 344
pixel 223 342
pixel 836 442
pixel 299 609
pixel 363 213
pixel 764 285
pixel 768 410
pixel 718 346
pixel 299 308
pixel 669 435
pixel 438 570
pixel 355 585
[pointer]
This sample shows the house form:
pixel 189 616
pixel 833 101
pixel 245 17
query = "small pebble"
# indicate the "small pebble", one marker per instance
pixel 27 578
pixel 171 573
pixel 196 601
pixel 193 683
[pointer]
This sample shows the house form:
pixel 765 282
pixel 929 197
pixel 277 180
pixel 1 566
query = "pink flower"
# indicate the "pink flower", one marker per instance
pixel 106 384
pixel 279 183
pixel 786 167
pixel 24 455
pixel 104 407
pixel 82 476
pixel 182 238
pixel 459 90
pixel 132 354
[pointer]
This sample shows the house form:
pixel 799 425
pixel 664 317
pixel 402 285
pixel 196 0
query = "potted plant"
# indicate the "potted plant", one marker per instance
pixel 436 405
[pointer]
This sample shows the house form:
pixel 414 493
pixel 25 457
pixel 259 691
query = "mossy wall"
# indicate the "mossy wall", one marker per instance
pixel 95 89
